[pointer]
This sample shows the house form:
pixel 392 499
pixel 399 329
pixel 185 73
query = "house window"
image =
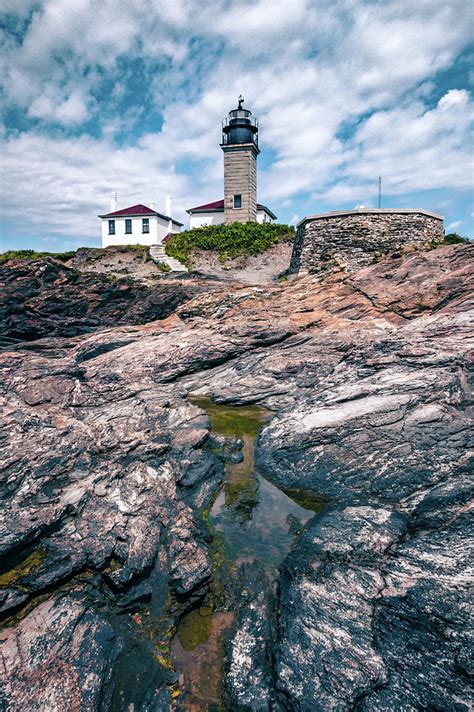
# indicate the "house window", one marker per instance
pixel 237 201
pixel 111 227
pixel 128 226
pixel 145 225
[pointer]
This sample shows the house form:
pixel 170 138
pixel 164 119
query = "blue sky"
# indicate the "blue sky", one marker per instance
pixel 128 96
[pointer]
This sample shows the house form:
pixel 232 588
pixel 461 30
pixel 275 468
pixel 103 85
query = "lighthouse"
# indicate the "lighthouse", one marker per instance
pixel 240 147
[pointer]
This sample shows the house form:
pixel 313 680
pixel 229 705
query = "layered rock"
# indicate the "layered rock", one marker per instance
pixel 106 465
pixel 249 677
pixel 62 654
pixel 44 297
pixel 102 481
pixel 327 657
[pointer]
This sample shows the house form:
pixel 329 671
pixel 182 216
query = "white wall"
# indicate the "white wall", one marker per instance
pixel 262 217
pixel 158 229
pixel 203 219
pixel 216 218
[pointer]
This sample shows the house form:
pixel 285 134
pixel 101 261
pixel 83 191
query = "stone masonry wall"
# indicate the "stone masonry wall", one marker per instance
pixel 240 177
pixel 353 240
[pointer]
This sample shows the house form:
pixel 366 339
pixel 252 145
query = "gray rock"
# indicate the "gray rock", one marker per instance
pixel 249 679
pixel 104 468
pixel 59 657
pixel 326 657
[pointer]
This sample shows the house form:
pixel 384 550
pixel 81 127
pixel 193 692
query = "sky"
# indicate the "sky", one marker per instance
pixel 99 96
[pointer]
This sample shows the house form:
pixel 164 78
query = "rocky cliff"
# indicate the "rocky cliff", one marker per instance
pixel 107 469
pixel 44 297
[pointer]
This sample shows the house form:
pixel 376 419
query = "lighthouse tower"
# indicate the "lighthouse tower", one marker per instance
pixel 240 146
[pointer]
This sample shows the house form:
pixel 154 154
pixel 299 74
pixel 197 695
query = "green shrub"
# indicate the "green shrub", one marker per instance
pixel 163 266
pixel 33 255
pixel 452 238
pixel 228 241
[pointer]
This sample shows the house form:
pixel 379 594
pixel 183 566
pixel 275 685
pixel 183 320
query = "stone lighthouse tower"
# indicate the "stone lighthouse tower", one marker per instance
pixel 240 146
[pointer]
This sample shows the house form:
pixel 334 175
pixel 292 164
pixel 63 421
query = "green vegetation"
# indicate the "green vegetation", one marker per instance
pixel 33 255
pixel 452 238
pixel 306 499
pixel 232 240
pixel 195 627
pixel 87 254
pixel 163 266
pixel 32 562
pixel 231 420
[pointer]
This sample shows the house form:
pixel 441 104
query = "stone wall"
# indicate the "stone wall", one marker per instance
pixel 354 239
pixel 240 178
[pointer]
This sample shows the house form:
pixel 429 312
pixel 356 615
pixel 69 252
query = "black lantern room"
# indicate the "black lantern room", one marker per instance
pixel 240 127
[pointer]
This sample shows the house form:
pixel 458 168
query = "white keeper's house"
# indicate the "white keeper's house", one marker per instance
pixel 137 225
pixel 214 214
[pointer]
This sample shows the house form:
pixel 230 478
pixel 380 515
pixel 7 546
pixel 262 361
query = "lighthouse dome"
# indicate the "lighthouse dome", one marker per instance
pixel 240 127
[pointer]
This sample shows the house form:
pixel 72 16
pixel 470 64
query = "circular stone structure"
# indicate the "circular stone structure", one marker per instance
pixel 351 239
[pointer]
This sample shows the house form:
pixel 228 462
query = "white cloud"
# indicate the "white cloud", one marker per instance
pixel 308 69
pixel 454 225
pixel 70 111
pixel 63 184
pixel 414 148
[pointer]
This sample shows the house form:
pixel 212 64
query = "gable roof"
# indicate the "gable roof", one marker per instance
pixel 208 207
pixel 218 206
pixel 137 211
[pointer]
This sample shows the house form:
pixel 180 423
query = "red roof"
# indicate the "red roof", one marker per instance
pixel 133 210
pixel 218 205
pixel 138 210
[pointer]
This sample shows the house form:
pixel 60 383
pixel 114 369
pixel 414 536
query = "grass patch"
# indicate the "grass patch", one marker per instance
pixel 232 240
pixel 452 238
pixel 33 255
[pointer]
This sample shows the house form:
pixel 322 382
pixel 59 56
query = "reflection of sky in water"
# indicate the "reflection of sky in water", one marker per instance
pixel 250 519
pixel 254 519
pixel 265 535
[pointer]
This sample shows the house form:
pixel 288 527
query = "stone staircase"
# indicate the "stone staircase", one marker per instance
pixel 158 254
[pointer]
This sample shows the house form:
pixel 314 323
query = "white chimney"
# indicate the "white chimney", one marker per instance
pixel 113 202
pixel 168 202
pixel 152 205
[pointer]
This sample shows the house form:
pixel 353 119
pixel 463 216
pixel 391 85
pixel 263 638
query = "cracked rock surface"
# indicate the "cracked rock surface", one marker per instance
pixel 105 467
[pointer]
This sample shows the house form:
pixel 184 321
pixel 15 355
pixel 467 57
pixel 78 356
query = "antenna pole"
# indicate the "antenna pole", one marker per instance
pixel 380 192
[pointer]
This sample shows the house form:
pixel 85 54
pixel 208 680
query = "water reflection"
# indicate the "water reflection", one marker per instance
pixel 256 519
pixel 251 519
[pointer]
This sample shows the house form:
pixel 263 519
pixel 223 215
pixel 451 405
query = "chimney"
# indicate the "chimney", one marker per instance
pixel 152 205
pixel 168 202
pixel 113 202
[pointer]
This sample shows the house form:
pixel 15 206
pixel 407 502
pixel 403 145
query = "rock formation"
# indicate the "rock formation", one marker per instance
pixel 106 468
pixel 44 297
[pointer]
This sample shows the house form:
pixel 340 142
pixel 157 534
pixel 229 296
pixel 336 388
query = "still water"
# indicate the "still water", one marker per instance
pixel 250 520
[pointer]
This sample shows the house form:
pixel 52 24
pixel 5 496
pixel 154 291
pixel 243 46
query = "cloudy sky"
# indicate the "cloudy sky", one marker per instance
pixel 128 95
